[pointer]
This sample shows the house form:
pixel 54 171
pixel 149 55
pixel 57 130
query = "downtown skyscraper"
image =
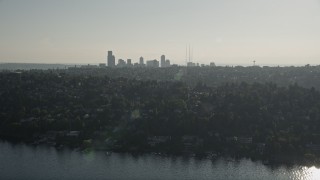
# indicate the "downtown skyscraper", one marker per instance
pixel 111 60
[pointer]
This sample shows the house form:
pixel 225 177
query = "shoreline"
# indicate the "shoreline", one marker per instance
pixel 272 162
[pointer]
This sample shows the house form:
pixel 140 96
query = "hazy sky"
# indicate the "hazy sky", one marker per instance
pixel 223 31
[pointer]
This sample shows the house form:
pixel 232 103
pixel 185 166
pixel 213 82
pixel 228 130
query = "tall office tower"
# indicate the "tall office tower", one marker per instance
pixel 167 63
pixel 111 59
pixel 129 62
pixel 163 61
pixel 141 61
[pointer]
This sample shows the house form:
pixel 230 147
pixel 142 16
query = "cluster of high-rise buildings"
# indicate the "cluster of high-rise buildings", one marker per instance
pixel 111 62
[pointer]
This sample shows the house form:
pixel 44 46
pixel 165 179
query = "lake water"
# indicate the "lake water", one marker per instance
pixel 20 161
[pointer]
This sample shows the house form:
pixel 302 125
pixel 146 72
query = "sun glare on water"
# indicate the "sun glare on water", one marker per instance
pixel 311 173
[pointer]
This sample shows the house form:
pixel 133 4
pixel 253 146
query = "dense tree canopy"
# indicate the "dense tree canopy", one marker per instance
pixel 286 119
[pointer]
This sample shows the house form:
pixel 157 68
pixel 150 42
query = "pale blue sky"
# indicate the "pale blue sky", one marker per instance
pixel 223 31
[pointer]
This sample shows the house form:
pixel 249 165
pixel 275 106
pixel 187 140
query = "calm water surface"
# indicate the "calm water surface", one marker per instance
pixel 19 161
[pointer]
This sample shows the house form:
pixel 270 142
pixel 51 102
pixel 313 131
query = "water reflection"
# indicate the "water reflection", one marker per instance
pixel 20 161
pixel 311 173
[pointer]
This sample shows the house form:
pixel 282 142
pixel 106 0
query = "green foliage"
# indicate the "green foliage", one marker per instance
pixel 285 116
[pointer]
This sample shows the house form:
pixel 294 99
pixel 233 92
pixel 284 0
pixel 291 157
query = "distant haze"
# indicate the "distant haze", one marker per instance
pixel 223 31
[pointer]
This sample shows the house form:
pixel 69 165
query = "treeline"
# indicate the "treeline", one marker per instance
pixel 306 76
pixel 254 119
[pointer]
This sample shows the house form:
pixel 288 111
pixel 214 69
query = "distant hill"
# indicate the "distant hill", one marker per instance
pixel 28 66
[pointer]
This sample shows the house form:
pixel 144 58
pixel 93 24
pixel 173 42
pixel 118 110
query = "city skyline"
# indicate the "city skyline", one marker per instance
pixel 225 32
pixel 111 62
